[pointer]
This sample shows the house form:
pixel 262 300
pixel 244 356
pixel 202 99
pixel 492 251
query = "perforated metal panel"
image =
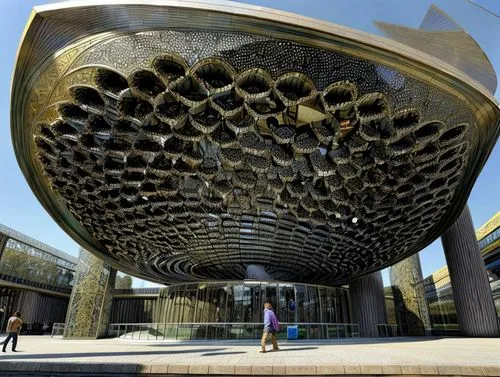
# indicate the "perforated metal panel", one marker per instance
pixel 191 154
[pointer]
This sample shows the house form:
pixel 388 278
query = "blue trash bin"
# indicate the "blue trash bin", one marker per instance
pixel 292 332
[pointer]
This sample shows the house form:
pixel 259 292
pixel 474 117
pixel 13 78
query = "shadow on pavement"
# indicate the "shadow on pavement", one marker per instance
pixel 301 342
pixel 222 353
pixel 297 349
pixel 102 354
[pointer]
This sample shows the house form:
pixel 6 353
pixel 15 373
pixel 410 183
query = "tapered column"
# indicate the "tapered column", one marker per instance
pixel 469 281
pixel 368 303
pixel 89 310
pixel 409 297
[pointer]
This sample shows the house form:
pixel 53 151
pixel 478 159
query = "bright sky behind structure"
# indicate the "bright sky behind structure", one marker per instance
pixel 20 210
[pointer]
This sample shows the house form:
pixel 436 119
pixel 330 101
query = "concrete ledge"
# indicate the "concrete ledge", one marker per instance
pixel 107 369
pixel 200 369
pixel 330 369
pixel 300 370
pixel 371 369
pixel 279 370
pixel 392 369
pixel 159 369
pixel 491 371
pixel 429 369
pixel 410 369
pixel 242 370
pixel 221 369
pixel 178 369
pixel 262 370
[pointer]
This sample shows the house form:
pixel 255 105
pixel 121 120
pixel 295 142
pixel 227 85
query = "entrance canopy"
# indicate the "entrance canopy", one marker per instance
pixel 183 143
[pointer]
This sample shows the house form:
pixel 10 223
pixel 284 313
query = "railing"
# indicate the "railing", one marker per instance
pixel 224 331
pixel 386 330
pixel 57 329
pixel 137 291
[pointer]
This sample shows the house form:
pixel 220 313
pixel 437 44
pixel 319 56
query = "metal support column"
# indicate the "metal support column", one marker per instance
pixel 469 280
pixel 368 303
pixel 89 310
pixel 408 290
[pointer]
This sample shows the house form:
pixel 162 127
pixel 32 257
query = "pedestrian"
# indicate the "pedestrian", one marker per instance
pixel 271 327
pixel 13 327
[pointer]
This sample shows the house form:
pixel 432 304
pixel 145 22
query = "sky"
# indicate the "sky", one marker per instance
pixel 20 210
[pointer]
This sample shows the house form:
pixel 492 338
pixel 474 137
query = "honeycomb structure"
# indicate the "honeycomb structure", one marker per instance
pixel 193 163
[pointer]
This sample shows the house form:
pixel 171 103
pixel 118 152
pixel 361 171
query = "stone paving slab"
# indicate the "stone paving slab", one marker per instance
pixel 46 356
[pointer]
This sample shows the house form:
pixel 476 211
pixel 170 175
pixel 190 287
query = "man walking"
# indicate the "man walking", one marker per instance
pixel 271 327
pixel 13 327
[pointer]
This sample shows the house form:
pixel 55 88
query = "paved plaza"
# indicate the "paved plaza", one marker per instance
pixel 390 356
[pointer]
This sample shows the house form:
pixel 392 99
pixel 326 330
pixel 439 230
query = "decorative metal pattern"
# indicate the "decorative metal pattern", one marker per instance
pixel 408 291
pixel 91 299
pixel 189 155
pixel 148 182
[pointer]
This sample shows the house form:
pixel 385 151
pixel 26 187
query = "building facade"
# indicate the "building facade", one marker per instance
pixel 438 287
pixel 35 279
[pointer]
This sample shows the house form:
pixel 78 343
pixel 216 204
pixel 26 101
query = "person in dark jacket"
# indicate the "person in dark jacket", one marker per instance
pixel 269 330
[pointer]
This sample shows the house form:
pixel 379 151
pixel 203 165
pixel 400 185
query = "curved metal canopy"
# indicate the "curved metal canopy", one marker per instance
pixel 191 142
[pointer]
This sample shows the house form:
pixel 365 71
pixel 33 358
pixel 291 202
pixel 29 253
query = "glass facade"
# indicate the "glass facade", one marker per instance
pixel 234 310
pixel 43 278
pixel 442 305
pixel 243 302
pixel 25 264
pixel 439 295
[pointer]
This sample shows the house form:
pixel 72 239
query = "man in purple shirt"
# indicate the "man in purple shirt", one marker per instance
pixel 270 324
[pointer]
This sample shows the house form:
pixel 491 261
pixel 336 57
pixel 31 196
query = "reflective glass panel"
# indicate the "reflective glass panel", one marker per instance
pixel 287 304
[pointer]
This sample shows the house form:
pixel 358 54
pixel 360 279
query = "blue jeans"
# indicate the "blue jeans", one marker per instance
pixel 13 336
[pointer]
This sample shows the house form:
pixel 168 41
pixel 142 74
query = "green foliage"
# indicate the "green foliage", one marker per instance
pixel 123 282
pixel 22 265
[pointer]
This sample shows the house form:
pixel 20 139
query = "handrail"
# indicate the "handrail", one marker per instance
pixel 255 282
pixel 57 329
pixel 231 323
pixel 226 330
pixel 137 291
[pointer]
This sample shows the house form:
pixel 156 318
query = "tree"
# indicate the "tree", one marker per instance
pixel 123 282
pixel 22 265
